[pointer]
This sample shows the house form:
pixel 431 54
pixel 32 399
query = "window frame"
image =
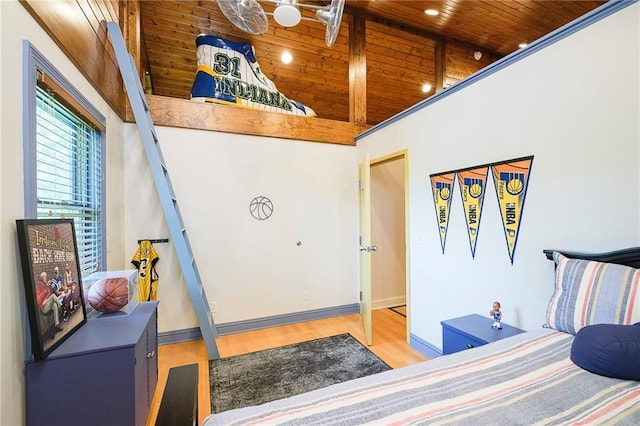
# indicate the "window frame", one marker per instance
pixel 35 64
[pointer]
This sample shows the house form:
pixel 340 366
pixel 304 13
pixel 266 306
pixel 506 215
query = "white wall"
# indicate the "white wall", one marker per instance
pixel 17 25
pixel 574 106
pixel 251 268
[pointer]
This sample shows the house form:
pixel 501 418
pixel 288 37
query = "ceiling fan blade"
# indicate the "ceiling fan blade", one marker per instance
pixel 331 16
pixel 247 15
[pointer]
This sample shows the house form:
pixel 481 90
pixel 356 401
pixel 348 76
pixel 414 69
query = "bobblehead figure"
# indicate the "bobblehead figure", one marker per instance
pixel 496 313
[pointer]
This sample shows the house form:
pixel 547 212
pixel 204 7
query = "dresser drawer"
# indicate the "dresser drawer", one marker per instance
pixel 455 341
pixel 471 331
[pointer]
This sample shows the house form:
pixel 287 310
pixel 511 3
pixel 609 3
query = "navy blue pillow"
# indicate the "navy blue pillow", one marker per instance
pixel 608 350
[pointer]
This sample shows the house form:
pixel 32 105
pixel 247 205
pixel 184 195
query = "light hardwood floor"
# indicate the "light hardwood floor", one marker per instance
pixel 389 343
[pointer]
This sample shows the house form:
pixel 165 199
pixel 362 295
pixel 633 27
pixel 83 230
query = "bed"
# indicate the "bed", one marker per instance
pixel 582 367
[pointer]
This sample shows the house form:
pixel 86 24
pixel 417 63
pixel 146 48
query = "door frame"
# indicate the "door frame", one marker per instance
pixel 402 155
pixel 364 245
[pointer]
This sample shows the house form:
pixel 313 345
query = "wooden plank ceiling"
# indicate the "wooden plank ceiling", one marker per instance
pixel 402 43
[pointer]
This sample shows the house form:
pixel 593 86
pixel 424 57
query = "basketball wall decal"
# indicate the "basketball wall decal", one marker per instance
pixel 261 208
pixel 109 294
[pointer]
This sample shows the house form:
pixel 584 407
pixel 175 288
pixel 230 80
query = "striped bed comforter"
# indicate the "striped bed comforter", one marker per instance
pixel 526 379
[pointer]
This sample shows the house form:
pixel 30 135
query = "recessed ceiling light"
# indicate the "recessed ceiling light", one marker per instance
pixel 286 58
pixel 426 87
pixel 521 45
pixel 431 12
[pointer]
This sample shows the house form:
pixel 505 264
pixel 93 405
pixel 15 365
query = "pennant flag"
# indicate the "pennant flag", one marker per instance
pixel 442 187
pixel 472 189
pixel 511 179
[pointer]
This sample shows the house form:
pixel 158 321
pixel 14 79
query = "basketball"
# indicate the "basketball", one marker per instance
pixel 514 186
pixel 445 193
pixel 109 294
pixel 476 190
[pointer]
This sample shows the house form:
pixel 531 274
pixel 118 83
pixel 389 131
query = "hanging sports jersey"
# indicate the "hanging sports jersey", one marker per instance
pixel 145 260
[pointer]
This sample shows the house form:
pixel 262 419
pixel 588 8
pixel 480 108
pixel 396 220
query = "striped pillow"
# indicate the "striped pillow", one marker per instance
pixel 589 292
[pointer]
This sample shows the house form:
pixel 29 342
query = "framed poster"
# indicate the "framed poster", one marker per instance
pixel 52 282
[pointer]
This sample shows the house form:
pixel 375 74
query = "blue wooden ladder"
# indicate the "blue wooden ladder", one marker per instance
pixel 164 188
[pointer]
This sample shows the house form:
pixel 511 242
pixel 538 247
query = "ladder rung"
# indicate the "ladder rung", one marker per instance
pixel 167 180
pixel 178 215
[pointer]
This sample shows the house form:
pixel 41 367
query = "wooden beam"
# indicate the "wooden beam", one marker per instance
pixel 188 114
pixel 440 65
pixel 130 24
pixel 357 71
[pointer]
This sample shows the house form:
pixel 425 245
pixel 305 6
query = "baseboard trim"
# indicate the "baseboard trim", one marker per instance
pixel 424 347
pixel 388 302
pixel 185 335
pixel 178 336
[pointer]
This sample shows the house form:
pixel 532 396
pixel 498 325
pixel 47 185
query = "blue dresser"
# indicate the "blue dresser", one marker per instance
pixel 470 331
pixel 103 374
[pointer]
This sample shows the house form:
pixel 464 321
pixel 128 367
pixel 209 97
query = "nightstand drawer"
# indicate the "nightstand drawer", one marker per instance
pixel 455 341
pixel 472 331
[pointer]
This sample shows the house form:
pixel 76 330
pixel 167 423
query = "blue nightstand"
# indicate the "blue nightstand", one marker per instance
pixel 470 331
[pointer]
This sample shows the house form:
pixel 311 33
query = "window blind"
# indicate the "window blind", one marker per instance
pixel 69 174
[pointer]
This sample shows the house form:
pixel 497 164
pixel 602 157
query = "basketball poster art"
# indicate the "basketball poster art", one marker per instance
pixel 472 189
pixel 228 73
pixel 442 189
pixel 52 282
pixel 511 179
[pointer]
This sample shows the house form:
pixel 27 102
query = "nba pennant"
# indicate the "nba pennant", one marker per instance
pixel 472 189
pixel 228 73
pixel 511 179
pixel 442 187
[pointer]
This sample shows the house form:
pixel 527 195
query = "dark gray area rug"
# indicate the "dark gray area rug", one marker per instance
pixel 263 376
